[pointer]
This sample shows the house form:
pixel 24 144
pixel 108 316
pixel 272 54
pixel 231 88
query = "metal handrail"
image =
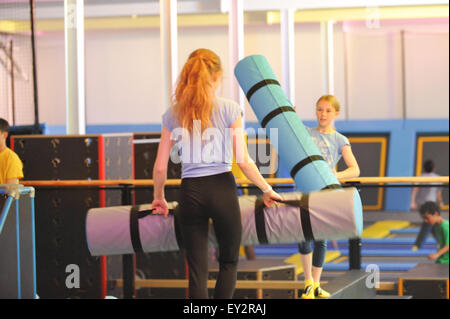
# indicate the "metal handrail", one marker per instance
pixel 240 181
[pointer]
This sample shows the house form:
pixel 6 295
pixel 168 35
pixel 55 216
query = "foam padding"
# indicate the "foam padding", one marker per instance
pixel 413 230
pixel 276 251
pixel 273 109
pixel 382 266
pixel 390 241
pixel 391 252
pixel 321 215
pixel 284 250
pixel 297 151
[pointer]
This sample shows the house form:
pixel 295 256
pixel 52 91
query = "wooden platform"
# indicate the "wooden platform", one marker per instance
pixel 274 279
pixel 425 281
pixel 351 285
pixel 259 271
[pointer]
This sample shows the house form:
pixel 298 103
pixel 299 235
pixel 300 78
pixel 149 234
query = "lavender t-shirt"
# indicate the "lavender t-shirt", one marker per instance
pixel 210 152
pixel 330 145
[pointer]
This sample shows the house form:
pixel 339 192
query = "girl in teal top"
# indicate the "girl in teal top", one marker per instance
pixel 333 146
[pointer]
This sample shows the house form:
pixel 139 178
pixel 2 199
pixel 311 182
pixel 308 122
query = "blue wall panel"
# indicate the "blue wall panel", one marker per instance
pixel 401 152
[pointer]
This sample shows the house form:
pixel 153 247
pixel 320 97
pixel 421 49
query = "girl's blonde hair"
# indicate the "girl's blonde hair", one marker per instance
pixel 330 99
pixel 194 94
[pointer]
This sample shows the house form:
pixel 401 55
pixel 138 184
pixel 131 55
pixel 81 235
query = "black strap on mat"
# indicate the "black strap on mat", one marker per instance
pixel 274 113
pixel 305 217
pixel 260 222
pixel 332 186
pixel 297 167
pixel 134 229
pixel 259 85
pixel 135 215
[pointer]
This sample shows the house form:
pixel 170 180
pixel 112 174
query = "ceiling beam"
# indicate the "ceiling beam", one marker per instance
pixel 352 14
pixel 258 5
pixel 250 18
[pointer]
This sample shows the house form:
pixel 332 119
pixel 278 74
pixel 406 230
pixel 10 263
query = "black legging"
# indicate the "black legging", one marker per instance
pixel 203 198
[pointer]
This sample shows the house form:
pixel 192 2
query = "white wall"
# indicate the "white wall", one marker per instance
pixel 427 74
pixel 23 80
pixel 123 70
pixel 123 76
pixel 373 81
pixel 50 77
pixel 375 85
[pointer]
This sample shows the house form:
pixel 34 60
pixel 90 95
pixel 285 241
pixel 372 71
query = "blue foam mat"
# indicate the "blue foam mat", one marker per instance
pixel 382 266
pixel 365 252
pixel 414 230
pixel 375 241
pixel 370 243
pixel 393 241
pixel 372 247
pixel 391 252
pixel 275 251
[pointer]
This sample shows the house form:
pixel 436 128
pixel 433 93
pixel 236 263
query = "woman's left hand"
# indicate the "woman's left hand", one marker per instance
pixel 271 197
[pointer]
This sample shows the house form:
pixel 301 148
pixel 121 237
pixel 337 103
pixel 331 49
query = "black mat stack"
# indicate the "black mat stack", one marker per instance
pixel 260 269
pixel 61 212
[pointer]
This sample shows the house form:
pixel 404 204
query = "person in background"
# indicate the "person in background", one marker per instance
pixel 420 195
pixel 11 167
pixel 333 146
pixel 430 213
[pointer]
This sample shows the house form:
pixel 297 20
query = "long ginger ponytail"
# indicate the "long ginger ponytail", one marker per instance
pixel 194 95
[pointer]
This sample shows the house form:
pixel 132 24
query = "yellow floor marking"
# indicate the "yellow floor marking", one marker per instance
pixel 382 229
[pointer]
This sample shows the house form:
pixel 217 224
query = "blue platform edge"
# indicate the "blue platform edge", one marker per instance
pixel 381 266
pixel 414 230
pixel 391 252
pixel 358 212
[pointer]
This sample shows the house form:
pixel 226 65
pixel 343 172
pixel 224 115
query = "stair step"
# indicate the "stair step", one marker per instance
pixel 392 297
pixel 351 285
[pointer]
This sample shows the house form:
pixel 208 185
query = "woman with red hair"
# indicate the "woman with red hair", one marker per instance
pixel 207 129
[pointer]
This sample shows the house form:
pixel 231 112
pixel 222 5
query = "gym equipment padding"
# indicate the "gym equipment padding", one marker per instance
pixel 392 241
pixel 413 230
pixel 273 109
pixel 381 266
pixel 386 252
pixel 17 242
pixel 328 214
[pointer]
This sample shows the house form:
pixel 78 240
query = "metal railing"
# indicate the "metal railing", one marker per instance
pixel 127 186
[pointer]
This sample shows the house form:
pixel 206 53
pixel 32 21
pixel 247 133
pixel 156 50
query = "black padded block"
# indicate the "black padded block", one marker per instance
pixel 61 212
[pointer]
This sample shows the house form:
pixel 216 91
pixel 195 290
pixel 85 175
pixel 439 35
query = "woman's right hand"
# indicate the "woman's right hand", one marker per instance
pixel 271 197
pixel 160 207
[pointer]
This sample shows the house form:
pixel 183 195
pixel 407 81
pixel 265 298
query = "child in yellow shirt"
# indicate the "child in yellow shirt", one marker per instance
pixel 11 167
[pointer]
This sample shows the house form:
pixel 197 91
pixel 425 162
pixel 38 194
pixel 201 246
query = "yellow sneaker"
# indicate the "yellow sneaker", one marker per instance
pixel 308 292
pixel 320 293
